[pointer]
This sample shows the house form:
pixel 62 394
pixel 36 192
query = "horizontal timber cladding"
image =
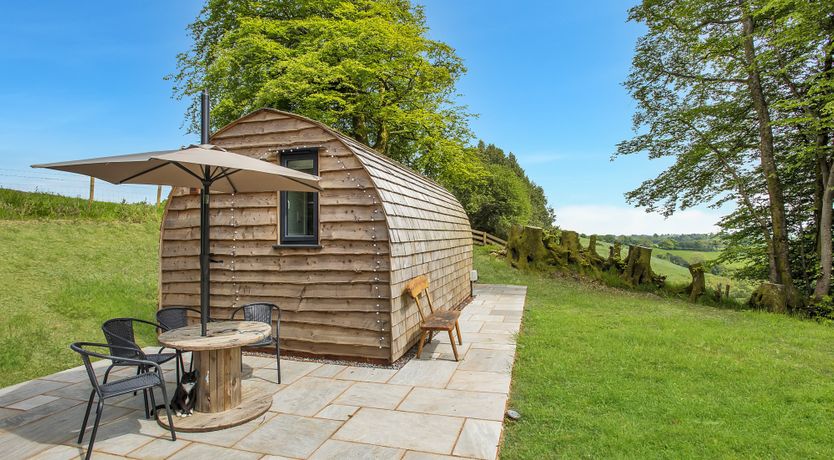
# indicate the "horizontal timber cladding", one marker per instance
pixel 295 277
pixel 380 224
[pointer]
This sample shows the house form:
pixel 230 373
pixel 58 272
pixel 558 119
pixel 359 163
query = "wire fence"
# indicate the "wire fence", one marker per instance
pixel 77 186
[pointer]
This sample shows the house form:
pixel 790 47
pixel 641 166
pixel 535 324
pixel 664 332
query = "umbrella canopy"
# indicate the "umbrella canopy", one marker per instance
pixel 203 166
pixel 227 172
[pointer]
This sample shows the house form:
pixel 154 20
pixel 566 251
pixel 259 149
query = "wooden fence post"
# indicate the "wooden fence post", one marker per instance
pixel 158 195
pixel 92 189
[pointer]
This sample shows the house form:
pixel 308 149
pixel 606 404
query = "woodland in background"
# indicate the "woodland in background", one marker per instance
pixel 366 68
pixel 741 95
pixel 690 241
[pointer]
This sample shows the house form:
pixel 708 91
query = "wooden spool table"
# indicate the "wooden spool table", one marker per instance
pixel 221 401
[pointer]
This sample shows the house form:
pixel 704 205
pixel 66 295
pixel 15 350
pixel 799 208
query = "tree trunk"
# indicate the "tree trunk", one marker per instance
pixel 360 129
pixel 569 241
pixel 826 196
pixel 768 162
pixel 823 286
pixel 592 253
pixel 525 247
pixel 638 269
pixel 771 260
pixel 699 284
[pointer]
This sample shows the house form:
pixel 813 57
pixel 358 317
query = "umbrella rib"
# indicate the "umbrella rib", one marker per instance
pixel 143 172
pixel 188 171
pixel 220 174
pixel 229 180
pixel 214 175
pixel 226 173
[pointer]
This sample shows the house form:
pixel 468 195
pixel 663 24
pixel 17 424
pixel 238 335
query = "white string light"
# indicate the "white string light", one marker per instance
pixel 377 262
pixel 376 211
pixel 235 285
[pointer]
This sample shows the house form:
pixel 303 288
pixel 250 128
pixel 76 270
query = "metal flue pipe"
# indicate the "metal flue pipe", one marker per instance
pixel 204 117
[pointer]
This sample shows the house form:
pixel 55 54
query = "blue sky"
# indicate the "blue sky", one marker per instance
pixel 86 79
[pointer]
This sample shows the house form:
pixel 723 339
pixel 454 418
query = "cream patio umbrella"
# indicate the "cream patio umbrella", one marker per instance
pixel 203 166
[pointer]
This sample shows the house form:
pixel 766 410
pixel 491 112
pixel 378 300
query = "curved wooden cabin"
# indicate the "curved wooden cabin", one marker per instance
pixel 338 276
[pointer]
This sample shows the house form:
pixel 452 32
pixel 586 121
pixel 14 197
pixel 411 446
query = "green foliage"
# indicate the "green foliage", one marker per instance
pixel 16 205
pixel 604 373
pixel 364 67
pixel 503 196
pixel 822 310
pixel 501 202
pixel 368 69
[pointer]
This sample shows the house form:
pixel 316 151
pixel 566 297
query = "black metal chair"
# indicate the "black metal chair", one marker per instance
pixel 145 381
pixel 262 312
pixel 119 333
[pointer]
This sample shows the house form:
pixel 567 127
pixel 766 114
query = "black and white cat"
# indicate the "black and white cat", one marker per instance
pixel 182 402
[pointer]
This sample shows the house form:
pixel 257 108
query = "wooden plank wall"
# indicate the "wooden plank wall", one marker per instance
pixel 430 235
pixel 335 300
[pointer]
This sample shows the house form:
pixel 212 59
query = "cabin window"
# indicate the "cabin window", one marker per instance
pixel 300 210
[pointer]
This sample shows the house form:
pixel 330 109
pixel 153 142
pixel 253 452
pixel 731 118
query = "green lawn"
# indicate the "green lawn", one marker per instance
pixel 603 373
pixel 60 279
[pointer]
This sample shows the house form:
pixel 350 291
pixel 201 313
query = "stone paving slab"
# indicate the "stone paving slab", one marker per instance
pixel 433 408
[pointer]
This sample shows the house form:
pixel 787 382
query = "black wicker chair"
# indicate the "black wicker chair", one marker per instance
pixel 119 333
pixel 174 317
pixel 170 318
pixel 146 382
pixel 262 312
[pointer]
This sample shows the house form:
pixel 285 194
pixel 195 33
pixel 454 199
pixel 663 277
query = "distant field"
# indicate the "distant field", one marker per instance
pixel 677 275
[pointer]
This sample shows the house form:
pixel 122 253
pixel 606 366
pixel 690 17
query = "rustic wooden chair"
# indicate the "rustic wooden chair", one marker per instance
pixel 437 320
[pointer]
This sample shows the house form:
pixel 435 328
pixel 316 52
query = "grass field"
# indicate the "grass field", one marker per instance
pixel 16 205
pixel 61 278
pixel 602 373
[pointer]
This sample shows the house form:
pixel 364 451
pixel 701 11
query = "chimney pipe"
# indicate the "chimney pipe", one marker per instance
pixel 204 117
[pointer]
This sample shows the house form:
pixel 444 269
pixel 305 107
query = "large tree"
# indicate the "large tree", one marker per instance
pixel 736 92
pixel 365 67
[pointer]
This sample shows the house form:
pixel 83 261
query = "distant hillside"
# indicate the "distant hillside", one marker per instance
pixel 692 241
pixel 677 274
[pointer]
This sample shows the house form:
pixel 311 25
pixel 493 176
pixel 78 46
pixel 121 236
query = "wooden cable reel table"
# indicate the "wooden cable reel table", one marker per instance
pixel 221 402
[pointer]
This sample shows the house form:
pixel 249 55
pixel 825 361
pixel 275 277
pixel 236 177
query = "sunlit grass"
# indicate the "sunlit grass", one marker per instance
pixel 60 280
pixel 603 373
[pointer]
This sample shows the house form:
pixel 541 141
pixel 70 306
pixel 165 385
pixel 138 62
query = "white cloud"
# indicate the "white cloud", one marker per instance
pixel 620 220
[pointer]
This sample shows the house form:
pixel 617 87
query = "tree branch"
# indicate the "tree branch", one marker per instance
pixel 740 81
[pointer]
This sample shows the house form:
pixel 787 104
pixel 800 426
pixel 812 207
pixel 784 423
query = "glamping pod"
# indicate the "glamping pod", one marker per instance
pixel 335 262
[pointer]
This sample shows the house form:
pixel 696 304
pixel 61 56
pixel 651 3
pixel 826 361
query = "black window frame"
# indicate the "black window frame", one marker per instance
pixel 286 240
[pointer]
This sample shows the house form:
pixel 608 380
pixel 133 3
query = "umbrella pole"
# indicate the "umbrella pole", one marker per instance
pixel 205 272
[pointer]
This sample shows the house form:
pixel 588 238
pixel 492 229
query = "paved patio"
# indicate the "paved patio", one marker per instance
pixel 431 408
